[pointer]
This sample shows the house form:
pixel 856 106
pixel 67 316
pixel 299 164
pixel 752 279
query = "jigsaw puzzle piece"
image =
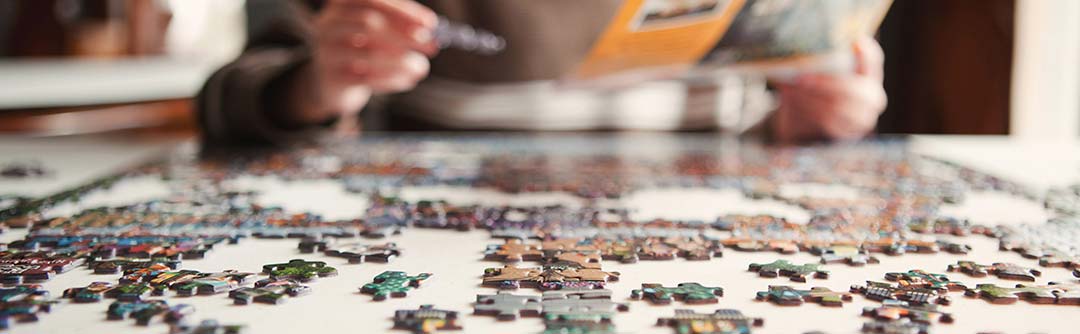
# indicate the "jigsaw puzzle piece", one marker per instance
pixel 506 306
pixel 690 293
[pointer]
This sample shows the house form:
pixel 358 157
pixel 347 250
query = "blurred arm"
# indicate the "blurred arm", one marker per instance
pixel 239 103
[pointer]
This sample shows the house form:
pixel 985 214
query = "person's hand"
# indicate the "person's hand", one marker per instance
pixel 363 47
pixel 833 106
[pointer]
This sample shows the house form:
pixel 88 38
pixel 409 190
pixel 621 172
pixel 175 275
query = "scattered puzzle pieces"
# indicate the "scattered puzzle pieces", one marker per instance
pixel 299 270
pixel 796 272
pixel 393 284
pixel 31 270
pixel 690 293
pixel 426 320
pixel 724 321
pixel 506 306
pixel 113 266
pixel 23 303
pixel 1000 269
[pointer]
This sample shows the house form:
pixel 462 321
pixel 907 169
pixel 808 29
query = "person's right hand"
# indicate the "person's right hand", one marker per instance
pixel 365 47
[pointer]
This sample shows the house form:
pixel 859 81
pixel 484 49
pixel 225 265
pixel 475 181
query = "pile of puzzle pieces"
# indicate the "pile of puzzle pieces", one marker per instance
pixel 559 250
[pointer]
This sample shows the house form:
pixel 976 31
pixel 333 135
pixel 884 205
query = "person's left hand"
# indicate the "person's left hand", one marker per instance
pixel 833 106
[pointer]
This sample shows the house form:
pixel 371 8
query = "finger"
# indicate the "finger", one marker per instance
pixel 869 58
pixel 381 71
pixel 860 90
pixel 829 116
pixel 403 10
pixel 375 22
pixel 350 38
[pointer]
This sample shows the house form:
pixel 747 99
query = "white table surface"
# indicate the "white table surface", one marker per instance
pixel 335 306
pixel 67 83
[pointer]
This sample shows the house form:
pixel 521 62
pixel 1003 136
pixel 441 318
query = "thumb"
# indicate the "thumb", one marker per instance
pixel 869 58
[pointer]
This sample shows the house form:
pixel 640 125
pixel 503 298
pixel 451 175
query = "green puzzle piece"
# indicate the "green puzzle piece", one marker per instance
pixel 393 284
pixel 783 295
pixel 1001 295
pixel 299 270
pixel 786 295
pixel 784 268
pixel 690 293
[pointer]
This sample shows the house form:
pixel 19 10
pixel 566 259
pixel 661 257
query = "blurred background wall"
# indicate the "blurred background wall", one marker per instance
pixel 952 66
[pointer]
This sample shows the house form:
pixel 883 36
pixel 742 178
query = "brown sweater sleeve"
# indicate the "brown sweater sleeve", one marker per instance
pixel 235 105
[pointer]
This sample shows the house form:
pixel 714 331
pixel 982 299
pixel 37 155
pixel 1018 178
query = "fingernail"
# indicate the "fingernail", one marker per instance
pixel 421 35
pixel 416 62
